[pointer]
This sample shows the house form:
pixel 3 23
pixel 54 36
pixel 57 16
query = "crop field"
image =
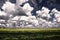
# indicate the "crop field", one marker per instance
pixel 29 34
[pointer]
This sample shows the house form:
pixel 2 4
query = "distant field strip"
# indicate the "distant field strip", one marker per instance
pixel 29 34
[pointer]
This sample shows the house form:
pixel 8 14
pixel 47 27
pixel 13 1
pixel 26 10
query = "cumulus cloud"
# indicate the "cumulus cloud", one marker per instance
pixel 19 2
pixel 28 9
pixel 24 18
pixel 56 14
pixel 44 13
pixel 11 8
pixel 8 7
pixel 15 14
pixel 2 13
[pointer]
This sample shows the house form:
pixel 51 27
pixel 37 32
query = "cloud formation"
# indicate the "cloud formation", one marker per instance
pixel 17 14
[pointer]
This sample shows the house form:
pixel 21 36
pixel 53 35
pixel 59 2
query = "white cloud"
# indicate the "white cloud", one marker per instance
pixel 25 18
pixel 16 18
pixel 39 13
pixel 29 13
pixel 12 9
pixel 8 7
pixel 2 13
pixel 56 14
pixel 19 2
pixel 27 8
pixel 32 17
pixel 45 12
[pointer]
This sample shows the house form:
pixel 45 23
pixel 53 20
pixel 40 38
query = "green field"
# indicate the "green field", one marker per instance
pixel 29 34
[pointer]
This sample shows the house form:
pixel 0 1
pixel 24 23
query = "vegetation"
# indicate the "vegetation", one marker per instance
pixel 29 34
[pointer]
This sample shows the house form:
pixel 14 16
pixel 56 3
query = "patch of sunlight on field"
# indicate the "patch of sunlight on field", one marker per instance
pixel 29 29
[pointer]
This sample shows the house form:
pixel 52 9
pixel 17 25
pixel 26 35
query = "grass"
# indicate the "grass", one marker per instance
pixel 29 34
pixel 29 29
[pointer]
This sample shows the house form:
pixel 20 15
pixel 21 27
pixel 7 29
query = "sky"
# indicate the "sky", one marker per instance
pixel 38 14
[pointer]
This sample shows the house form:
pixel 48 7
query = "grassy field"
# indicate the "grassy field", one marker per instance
pixel 29 34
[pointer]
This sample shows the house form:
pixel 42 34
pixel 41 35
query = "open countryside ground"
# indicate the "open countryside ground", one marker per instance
pixel 29 34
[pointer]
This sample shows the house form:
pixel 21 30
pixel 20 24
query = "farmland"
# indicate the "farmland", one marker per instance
pixel 29 34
